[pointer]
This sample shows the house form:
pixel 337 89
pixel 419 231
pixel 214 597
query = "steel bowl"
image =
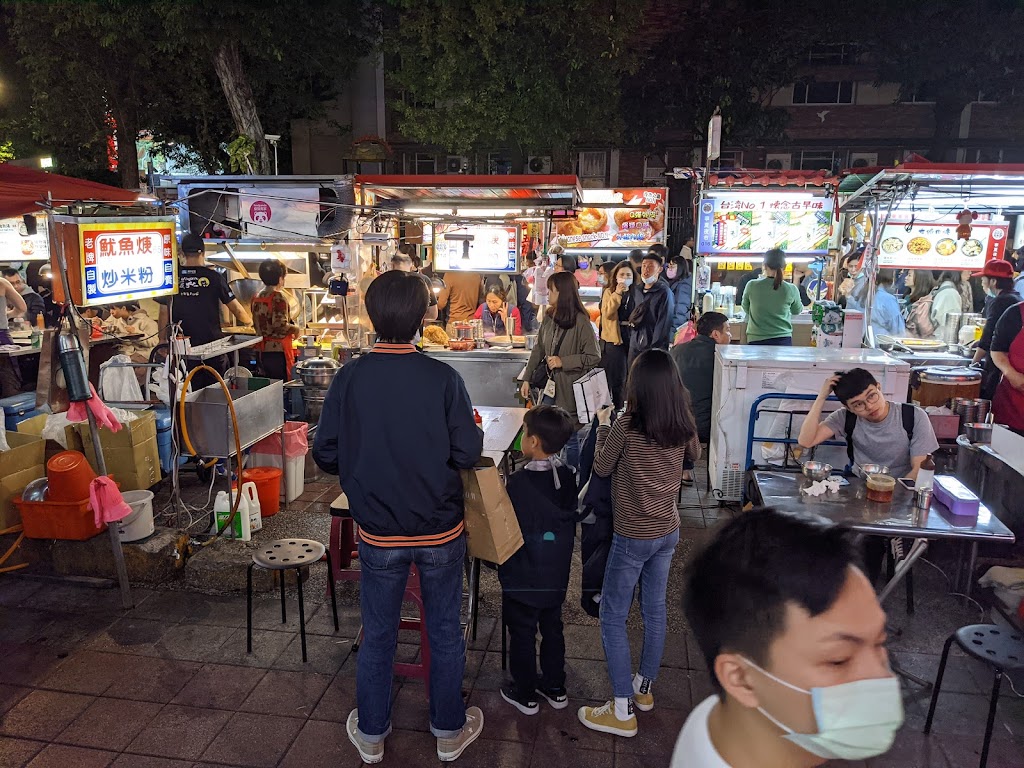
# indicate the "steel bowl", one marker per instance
pixel 979 432
pixel 873 469
pixel 816 470
pixel 36 490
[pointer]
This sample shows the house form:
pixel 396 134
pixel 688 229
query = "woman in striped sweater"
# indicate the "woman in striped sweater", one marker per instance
pixel 643 453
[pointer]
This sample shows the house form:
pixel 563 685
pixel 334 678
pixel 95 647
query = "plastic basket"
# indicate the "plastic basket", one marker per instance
pixel 67 520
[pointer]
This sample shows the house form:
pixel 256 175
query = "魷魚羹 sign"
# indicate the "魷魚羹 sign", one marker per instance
pixel 127 261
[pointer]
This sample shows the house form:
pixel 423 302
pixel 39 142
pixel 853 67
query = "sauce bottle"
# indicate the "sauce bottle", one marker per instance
pixel 926 474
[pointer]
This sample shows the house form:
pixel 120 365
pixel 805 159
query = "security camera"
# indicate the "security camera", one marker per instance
pixel 272 137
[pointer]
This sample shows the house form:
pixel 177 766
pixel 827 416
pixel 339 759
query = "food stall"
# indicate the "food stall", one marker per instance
pixel 471 224
pixel 741 215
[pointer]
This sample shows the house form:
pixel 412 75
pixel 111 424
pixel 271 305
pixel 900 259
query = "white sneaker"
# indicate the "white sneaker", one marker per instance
pixel 452 749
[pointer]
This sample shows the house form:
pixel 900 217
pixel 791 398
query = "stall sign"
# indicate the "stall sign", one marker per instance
pixel 756 222
pixel 16 244
pixel 476 248
pixel 280 213
pixel 127 261
pixel 935 245
pixel 598 224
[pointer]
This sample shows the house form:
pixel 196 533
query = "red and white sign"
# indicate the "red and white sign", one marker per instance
pixel 260 212
pixel 127 260
pixel 935 245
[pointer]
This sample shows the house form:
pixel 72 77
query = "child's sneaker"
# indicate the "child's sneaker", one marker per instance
pixel 603 719
pixel 558 698
pixel 525 704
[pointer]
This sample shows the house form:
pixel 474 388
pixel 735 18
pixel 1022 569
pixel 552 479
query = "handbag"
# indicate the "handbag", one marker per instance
pixel 542 373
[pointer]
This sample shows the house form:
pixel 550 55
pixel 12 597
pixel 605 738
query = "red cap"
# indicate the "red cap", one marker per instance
pixel 996 268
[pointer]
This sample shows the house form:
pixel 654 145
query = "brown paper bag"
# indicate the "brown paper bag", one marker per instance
pixel 50 387
pixel 492 529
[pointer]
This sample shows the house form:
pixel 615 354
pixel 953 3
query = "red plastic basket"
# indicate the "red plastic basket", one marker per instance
pixel 68 520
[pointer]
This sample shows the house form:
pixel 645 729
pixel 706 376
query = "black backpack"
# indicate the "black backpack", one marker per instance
pixel 906 411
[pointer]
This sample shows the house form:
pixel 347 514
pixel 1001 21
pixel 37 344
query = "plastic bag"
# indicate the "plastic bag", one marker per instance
pixel 296 441
pixel 4 446
pixel 118 382
pixel 687 332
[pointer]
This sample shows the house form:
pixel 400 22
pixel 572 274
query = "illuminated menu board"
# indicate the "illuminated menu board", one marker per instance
pixel 476 249
pixel 936 245
pixel 754 222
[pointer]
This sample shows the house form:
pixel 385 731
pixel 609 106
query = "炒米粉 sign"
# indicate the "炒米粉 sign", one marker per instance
pixel 127 261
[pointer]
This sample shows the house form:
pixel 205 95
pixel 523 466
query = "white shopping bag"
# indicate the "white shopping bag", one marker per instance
pixel 592 394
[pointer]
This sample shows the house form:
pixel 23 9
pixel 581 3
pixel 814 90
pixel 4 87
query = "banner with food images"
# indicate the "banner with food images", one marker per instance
pixel 929 245
pixel 615 218
pixel 757 221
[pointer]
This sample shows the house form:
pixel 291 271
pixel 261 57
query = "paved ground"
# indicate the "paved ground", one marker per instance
pixel 168 684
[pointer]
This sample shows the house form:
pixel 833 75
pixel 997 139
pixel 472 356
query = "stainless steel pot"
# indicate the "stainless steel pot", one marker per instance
pixel 317 372
pixel 979 433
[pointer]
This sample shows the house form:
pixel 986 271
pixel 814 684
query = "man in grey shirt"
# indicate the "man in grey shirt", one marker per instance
pixel 897 435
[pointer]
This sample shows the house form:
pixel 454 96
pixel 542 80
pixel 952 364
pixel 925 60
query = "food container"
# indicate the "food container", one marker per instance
pixel 880 488
pixel 317 371
pixel 937 385
pixel 464 345
pixel 531 340
pixel 464 332
pixel 874 469
pixel 816 470
pixel 979 432
pixel 923 498
pixel 955 496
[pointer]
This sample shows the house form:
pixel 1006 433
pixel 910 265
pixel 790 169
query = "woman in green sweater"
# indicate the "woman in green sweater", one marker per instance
pixel 770 302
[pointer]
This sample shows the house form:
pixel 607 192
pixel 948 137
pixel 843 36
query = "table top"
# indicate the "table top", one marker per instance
pixel 850 506
pixel 223 346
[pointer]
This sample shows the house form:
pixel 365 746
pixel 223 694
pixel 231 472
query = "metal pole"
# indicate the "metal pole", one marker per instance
pixel 101 464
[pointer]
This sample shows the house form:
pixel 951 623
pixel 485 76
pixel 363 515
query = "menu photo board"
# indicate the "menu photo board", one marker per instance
pixel 935 245
pixel 16 244
pixel 127 261
pixel 476 248
pixel 615 218
pixel 755 222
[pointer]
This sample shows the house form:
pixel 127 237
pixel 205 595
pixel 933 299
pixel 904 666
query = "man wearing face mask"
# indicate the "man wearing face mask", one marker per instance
pixel 795 640
pixel 651 319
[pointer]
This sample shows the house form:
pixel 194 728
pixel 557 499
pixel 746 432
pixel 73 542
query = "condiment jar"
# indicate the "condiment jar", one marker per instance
pixel 880 488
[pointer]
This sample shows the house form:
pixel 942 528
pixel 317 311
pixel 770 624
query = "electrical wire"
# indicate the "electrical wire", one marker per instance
pixel 949 584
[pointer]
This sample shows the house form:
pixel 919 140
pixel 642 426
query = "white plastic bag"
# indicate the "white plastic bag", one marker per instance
pixel 118 383
pixel 4 446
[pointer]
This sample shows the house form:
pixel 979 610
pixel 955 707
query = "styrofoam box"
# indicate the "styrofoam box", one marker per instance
pixel 293 482
pixel 1009 445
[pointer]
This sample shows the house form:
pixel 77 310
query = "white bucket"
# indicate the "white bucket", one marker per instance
pixel 139 524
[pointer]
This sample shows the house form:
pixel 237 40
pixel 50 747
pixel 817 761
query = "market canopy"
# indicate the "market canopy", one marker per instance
pixel 465 191
pixel 22 189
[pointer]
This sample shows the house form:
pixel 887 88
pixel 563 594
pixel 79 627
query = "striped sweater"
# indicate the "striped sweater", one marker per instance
pixel 645 479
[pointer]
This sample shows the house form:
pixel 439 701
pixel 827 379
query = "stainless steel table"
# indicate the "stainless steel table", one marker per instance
pixel 898 519
pixel 490 374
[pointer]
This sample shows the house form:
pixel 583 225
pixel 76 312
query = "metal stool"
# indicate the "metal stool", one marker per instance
pixel 1000 649
pixel 282 555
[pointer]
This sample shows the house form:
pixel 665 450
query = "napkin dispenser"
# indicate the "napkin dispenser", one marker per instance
pixel 955 496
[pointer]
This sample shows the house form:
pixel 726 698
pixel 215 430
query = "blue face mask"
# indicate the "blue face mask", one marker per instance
pixel 855 720
pixel 584 263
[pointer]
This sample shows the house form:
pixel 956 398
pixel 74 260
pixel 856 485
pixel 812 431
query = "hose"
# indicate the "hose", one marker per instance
pixel 238 440
pixel 14 546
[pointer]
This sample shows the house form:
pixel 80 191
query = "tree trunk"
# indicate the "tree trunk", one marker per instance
pixel 126 132
pixel 948 111
pixel 235 83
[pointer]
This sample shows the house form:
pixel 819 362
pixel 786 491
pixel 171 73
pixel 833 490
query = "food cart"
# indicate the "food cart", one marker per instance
pixel 472 224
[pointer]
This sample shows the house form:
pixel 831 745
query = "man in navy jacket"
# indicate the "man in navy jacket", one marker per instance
pixel 398 460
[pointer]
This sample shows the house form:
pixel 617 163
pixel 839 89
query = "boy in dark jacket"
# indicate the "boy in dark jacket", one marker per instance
pixel 534 580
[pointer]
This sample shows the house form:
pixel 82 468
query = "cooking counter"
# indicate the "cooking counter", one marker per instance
pixel 491 375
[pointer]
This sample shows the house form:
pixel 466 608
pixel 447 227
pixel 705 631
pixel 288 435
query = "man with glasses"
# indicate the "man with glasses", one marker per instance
pixel 877 431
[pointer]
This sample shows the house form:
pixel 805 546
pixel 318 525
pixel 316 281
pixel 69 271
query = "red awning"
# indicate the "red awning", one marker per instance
pixel 756 178
pixel 21 189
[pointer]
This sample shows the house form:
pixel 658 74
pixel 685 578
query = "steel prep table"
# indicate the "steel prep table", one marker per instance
pixel 897 519
pixel 491 375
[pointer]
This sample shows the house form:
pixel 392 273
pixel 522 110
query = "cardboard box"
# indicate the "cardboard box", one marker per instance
pixel 35 425
pixel 492 528
pixel 131 455
pixel 19 466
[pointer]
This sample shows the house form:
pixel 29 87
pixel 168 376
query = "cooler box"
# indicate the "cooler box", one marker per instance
pixel 19 407
pixel 163 438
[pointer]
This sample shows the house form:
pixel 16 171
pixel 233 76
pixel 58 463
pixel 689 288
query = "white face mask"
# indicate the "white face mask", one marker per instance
pixel 650 280
pixel 855 720
pixel 626 280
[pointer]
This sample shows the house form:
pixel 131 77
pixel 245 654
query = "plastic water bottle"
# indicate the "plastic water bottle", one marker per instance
pixel 252 500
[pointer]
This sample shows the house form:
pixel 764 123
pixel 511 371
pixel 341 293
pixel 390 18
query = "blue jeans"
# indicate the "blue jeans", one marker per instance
pixel 385 571
pixel 573 448
pixel 630 562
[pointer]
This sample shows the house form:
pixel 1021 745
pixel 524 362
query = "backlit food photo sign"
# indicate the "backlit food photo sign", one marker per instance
pixel 127 261
pixel 615 218
pixel 752 223
pixel 935 245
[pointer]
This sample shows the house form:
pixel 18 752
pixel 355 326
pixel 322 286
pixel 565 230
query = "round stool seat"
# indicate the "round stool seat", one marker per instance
pixel 993 645
pixel 288 553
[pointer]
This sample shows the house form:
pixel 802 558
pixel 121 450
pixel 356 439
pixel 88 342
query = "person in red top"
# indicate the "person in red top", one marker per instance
pixel 272 319
pixel 1007 352
pixel 494 313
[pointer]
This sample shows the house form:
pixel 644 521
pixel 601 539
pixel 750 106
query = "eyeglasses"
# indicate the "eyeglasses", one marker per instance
pixel 871 398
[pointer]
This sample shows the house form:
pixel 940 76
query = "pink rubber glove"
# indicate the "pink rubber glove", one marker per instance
pixel 104 416
pixel 108 505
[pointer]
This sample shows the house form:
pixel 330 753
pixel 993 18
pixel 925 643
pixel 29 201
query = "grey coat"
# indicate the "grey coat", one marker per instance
pixel 579 354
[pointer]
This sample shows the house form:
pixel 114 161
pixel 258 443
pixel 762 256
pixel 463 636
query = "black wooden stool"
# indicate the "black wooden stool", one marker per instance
pixel 1000 649
pixel 282 555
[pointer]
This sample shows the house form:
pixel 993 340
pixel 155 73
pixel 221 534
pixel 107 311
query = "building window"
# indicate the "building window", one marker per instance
pixel 728 160
pixel 654 168
pixel 593 168
pixel 833 92
pixel 822 161
pixel 842 53
pixel 498 163
pixel 425 164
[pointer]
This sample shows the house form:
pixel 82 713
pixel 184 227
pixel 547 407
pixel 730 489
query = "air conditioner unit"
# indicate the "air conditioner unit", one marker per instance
pixel 538 164
pixel 863 159
pixel 457 164
pixel 782 161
